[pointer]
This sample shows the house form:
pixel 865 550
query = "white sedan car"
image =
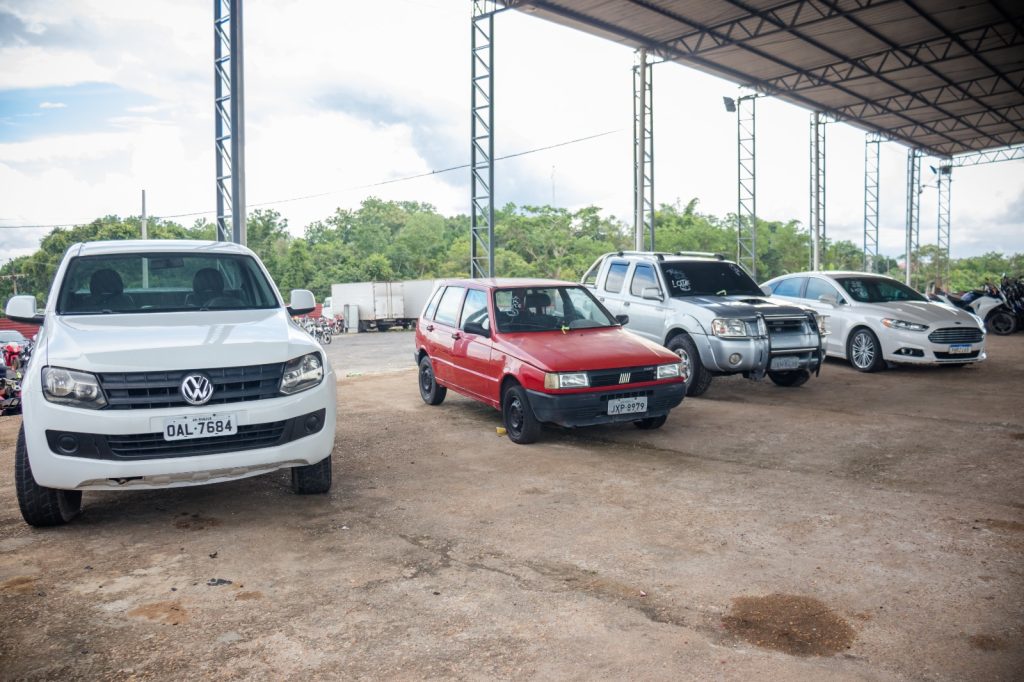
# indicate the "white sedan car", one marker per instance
pixel 874 319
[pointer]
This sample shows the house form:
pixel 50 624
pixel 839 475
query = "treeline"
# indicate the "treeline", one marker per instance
pixel 396 240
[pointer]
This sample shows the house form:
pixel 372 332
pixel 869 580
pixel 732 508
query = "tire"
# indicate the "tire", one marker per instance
pixel 431 392
pixel 521 425
pixel 312 479
pixel 383 327
pixel 790 379
pixel 41 506
pixel 863 351
pixel 325 339
pixel 1001 322
pixel 700 378
pixel 651 423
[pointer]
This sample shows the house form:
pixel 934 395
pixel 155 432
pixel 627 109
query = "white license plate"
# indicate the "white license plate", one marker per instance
pixel 200 426
pixel 959 348
pixel 786 362
pixel 627 405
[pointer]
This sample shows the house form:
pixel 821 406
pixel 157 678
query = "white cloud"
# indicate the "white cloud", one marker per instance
pixel 52 105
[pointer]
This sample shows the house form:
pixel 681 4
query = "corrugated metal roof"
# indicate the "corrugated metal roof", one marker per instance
pixel 943 75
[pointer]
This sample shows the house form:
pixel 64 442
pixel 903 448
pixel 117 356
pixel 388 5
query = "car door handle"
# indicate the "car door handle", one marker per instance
pixel 601 299
pixel 430 327
pixel 625 304
pixel 456 335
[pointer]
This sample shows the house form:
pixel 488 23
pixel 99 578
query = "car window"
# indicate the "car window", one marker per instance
pixel 428 312
pixel 708 278
pixel 590 278
pixel 790 286
pixel 540 309
pixel 616 276
pixel 448 307
pixel 878 290
pixel 643 277
pixel 475 309
pixel 819 287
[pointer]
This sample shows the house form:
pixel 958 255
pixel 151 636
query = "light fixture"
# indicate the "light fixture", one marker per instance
pixel 730 104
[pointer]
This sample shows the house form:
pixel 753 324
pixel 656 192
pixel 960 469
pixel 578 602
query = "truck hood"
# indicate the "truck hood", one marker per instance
pixel 922 312
pixel 174 341
pixel 745 306
pixel 585 349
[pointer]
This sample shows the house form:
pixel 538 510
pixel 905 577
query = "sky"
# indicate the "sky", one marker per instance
pixel 102 98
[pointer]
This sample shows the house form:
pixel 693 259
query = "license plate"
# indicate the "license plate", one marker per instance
pixel 627 405
pixel 959 348
pixel 200 426
pixel 786 362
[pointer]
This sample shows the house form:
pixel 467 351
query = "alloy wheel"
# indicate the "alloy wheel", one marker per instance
pixel 863 350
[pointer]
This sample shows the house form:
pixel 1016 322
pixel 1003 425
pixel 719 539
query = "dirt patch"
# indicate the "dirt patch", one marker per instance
pixel 195 522
pixel 1002 524
pixel 1017 436
pixel 987 642
pixel 796 625
pixel 20 584
pixel 166 612
pixel 248 596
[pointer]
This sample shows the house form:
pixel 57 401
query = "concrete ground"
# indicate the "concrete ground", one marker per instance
pixel 861 527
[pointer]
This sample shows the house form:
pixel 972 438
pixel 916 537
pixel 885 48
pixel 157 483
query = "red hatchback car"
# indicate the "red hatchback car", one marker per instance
pixel 542 351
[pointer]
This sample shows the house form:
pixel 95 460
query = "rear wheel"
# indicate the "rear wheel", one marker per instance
pixel 651 423
pixel 797 377
pixel 1001 322
pixel 521 425
pixel 430 391
pixel 699 378
pixel 383 327
pixel 312 479
pixel 863 351
pixel 41 506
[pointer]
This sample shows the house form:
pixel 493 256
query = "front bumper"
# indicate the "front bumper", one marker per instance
pixel 754 356
pixel 205 464
pixel 914 348
pixel 591 408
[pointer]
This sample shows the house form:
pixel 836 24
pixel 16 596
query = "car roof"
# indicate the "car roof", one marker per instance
pixel 120 246
pixel 668 257
pixel 508 282
pixel 832 273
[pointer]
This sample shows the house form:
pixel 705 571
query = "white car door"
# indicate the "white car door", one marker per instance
pixel 610 291
pixel 838 313
pixel 646 315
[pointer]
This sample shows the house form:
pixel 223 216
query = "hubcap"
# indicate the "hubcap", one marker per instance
pixel 687 365
pixel 863 350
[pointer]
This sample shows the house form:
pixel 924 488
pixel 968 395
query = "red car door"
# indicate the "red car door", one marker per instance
pixel 472 369
pixel 441 333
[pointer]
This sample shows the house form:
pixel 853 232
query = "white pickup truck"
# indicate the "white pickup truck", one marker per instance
pixel 163 364
pixel 712 314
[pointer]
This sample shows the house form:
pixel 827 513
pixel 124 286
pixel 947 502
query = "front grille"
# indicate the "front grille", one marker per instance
pixel 786 326
pixel 149 390
pixel 939 355
pixel 956 335
pixel 586 409
pixel 613 377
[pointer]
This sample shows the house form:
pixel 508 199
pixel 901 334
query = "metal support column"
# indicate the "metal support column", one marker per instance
pixel 229 123
pixel 913 240
pixel 481 257
pixel 817 220
pixel 872 144
pixel 945 180
pixel 746 191
pixel 643 151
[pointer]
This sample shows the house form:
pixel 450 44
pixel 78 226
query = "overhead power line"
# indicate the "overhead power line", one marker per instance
pixel 317 195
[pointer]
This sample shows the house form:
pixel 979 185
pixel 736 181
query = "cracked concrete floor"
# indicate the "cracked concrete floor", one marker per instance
pixel 894 502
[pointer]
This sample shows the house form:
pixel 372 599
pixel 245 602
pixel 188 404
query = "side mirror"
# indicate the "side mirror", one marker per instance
pixel 23 309
pixel 831 299
pixel 302 302
pixel 476 328
pixel 652 294
pixel 622 319
pixel 767 291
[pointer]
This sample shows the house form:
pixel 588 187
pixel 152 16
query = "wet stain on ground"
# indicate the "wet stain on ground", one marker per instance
pixel 987 642
pixel 796 625
pixel 20 584
pixel 1001 524
pixel 166 612
pixel 195 522
pixel 1017 436
pixel 248 596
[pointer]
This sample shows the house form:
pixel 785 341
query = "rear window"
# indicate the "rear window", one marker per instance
pixel 789 287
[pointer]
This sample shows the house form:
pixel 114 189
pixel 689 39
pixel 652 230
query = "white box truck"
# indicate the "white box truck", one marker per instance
pixel 381 304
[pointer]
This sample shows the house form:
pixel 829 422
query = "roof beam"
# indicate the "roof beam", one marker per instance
pixel 989 86
pixel 989 156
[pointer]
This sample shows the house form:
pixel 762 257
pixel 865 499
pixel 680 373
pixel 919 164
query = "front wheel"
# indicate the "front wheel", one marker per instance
pixel 431 392
pixel 698 377
pixel 790 379
pixel 864 352
pixel 521 425
pixel 1001 322
pixel 312 479
pixel 325 338
pixel 651 423
pixel 41 506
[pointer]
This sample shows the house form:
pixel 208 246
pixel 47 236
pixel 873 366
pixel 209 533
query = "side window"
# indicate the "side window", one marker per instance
pixel 643 277
pixel 616 276
pixel 428 313
pixel 819 287
pixel 590 278
pixel 448 308
pixel 475 309
pixel 790 287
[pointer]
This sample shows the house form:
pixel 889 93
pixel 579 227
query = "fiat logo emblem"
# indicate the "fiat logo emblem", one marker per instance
pixel 196 389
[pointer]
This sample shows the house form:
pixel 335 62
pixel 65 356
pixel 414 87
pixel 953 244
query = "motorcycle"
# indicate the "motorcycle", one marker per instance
pixel 989 303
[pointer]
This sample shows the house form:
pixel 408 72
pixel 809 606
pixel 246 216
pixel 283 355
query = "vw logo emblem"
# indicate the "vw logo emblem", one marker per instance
pixel 196 389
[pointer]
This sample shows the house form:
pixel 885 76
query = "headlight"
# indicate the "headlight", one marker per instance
pixel 302 373
pixel 903 324
pixel 71 387
pixel 670 371
pixel 569 380
pixel 722 327
pixel 822 326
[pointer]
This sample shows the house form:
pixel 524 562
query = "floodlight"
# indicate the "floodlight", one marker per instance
pixel 730 104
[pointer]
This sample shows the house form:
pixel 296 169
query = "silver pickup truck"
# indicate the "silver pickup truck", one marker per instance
pixel 712 314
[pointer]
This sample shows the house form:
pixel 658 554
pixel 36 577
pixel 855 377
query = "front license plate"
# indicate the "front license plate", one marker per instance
pixel 959 348
pixel 627 405
pixel 200 426
pixel 786 362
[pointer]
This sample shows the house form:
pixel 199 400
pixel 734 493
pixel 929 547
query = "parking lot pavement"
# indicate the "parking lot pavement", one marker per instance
pixel 861 527
pixel 371 352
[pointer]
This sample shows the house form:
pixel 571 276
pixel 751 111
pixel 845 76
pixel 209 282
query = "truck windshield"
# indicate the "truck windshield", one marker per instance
pixel 545 309
pixel 708 278
pixel 163 282
pixel 878 290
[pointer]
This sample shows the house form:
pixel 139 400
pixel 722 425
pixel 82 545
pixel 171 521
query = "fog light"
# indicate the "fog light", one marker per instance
pixel 312 423
pixel 735 358
pixel 68 444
